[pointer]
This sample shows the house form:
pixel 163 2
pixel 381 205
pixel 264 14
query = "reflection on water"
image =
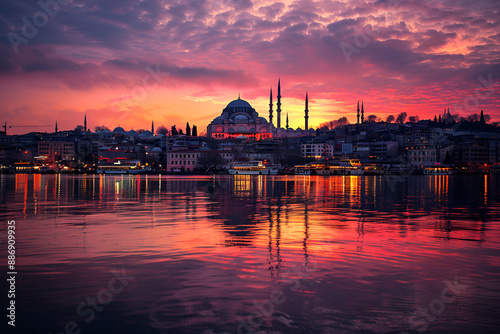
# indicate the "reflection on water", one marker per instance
pixel 229 254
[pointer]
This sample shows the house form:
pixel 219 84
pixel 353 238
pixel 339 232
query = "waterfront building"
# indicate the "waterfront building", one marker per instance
pixel 423 156
pixel 189 160
pixel 57 150
pixel 317 150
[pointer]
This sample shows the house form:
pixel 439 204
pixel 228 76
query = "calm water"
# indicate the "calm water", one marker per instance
pixel 241 254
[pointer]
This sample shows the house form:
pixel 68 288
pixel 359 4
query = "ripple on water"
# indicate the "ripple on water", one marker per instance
pixel 310 254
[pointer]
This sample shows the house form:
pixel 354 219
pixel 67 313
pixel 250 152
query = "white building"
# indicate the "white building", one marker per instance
pixel 317 150
pixel 57 150
pixel 423 156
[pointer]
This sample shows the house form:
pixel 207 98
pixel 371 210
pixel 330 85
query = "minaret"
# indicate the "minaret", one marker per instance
pixel 358 111
pixel 56 126
pixel 271 106
pixel 278 105
pixel 362 113
pixel 306 116
pixel 85 123
pixel 153 127
pixel 287 120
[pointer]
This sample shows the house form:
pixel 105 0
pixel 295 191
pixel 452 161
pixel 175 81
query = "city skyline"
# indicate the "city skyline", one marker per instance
pixel 126 63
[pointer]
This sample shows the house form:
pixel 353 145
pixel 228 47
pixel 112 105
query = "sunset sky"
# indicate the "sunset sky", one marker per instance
pixel 126 63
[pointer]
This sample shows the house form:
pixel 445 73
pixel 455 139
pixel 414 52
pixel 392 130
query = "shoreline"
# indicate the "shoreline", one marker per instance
pixel 226 173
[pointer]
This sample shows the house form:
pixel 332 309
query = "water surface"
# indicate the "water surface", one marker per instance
pixel 262 254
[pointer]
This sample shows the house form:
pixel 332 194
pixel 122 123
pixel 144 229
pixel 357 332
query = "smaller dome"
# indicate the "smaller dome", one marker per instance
pixel 241 119
pixel 132 133
pixel 146 133
pixel 119 130
pixel 218 120
pixel 156 149
pixel 106 131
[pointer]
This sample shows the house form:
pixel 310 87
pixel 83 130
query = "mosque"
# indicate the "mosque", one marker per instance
pixel 240 120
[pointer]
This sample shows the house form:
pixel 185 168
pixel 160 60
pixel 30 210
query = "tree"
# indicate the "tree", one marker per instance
pixel 328 125
pixel 413 119
pixel 79 128
pixel 343 121
pixel 210 160
pixel 435 119
pixel 188 129
pixel 390 119
pixel 372 119
pixel 100 128
pixel 181 132
pixel 174 131
pixel 195 131
pixel 472 118
pixel 140 131
pixel 401 118
pixel 162 130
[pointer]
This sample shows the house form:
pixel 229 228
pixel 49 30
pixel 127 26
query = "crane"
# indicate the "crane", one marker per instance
pixel 5 127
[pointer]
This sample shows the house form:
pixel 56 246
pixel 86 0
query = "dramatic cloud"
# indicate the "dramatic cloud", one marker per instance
pixel 188 58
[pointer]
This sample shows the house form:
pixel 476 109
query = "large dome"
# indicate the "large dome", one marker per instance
pixel 239 105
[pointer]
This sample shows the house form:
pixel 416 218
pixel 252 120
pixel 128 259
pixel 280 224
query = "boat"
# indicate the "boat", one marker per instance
pixel 437 171
pixel 303 170
pixel 120 167
pixel 495 169
pixel 356 171
pixel 372 170
pixel 346 167
pixel 319 168
pixel 253 168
